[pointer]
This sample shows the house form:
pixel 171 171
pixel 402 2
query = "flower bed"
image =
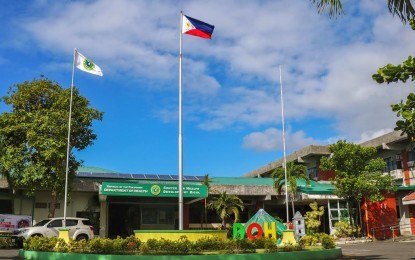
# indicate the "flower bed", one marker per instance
pixel 205 248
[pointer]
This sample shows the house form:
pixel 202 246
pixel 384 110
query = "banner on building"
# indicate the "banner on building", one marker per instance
pixel 152 190
pixel 9 223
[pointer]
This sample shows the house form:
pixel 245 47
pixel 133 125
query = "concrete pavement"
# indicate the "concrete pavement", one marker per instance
pixel 403 250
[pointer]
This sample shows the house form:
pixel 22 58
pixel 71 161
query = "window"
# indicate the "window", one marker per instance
pixel 41 205
pixel 337 212
pixel 398 161
pixel 71 222
pixel 312 173
pixel 57 206
pixel 151 216
pixel 389 164
pixel 55 223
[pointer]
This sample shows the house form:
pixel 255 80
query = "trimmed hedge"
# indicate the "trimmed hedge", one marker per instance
pixel 132 246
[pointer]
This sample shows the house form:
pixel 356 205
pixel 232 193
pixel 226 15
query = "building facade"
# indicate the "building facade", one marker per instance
pixel 119 203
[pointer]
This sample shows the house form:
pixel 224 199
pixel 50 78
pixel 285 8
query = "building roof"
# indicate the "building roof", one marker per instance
pixel 94 169
pixel 297 156
pixel 409 197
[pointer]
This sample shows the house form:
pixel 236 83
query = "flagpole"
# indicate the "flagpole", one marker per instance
pixel 180 131
pixel 68 148
pixel 285 159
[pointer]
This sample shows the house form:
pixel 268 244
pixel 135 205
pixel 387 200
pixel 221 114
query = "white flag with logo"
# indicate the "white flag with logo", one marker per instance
pixel 86 65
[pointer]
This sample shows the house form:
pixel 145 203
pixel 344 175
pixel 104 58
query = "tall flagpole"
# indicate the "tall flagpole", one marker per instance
pixel 180 131
pixel 285 159
pixel 69 143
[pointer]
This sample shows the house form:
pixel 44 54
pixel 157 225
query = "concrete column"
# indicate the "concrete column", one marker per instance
pixel 103 216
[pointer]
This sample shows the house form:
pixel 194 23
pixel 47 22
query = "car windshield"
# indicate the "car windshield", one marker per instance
pixel 42 223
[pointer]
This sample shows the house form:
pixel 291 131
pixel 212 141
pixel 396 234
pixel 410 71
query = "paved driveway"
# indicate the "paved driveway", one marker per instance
pixel 9 254
pixel 380 250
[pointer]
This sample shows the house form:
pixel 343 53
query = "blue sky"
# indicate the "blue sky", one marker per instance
pixel 231 92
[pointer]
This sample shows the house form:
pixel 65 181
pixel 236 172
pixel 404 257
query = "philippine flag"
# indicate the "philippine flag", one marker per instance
pixel 197 28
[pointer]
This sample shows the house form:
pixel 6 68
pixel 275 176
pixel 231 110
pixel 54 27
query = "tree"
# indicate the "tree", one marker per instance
pixel 227 205
pixel 206 181
pixel 313 217
pixel 33 136
pixel 294 172
pixel 402 8
pixel 358 174
pixel 404 110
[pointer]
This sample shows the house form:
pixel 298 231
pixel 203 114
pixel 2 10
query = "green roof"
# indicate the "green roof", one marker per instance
pixel 313 187
pixel 409 187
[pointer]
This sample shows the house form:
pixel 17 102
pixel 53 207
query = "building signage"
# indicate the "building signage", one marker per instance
pixel 152 190
pixel 9 223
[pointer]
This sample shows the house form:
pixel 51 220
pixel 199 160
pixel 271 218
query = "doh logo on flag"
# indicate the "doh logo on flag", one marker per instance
pixel 86 65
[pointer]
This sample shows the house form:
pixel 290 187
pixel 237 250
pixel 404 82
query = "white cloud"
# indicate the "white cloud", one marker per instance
pixel 272 140
pixel 366 136
pixel 232 81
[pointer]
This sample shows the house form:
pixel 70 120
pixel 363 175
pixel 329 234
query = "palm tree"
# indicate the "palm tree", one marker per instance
pixel 402 8
pixel 294 172
pixel 227 205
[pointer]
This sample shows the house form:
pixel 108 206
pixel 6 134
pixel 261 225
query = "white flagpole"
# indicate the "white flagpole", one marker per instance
pixel 285 159
pixel 69 143
pixel 180 131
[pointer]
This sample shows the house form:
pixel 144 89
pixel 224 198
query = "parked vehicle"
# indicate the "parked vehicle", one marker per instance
pixel 79 228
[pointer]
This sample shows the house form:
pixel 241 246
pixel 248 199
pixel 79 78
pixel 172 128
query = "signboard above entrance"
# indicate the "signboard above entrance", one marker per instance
pixel 152 190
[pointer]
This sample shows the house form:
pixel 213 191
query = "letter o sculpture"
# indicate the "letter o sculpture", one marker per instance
pixel 249 231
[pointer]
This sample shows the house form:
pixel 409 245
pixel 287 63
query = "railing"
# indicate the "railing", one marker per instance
pixel 383 228
pixel 392 228
pixel 398 227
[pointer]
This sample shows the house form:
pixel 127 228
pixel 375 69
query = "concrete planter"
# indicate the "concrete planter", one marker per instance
pixel 296 255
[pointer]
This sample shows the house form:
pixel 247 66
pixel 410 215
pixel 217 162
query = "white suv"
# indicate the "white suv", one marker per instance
pixel 79 228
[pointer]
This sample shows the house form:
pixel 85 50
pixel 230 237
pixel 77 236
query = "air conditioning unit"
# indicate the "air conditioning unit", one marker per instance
pixel 398 157
pixel 411 163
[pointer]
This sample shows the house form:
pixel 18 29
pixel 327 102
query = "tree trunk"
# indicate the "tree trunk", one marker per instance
pixel 11 189
pixel 205 213
pixel 292 204
pixel 52 205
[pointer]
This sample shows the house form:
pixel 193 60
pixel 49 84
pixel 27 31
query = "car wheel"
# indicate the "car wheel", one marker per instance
pixel 82 237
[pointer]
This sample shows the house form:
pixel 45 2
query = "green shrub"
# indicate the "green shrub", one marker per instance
pixel 61 246
pixel 43 244
pixel 6 242
pixel 239 246
pixel 270 246
pixel 327 241
pixel 260 242
pixel 183 246
pixel 167 247
pixel 210 244
pixel 287 247
pixel 309 240
pixel 99 245
pixel 300 245
pixel 345 229
pixel 133 244
pixel 77 246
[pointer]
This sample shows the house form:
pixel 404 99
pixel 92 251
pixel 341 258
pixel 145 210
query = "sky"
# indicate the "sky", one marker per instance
pixel 232 120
